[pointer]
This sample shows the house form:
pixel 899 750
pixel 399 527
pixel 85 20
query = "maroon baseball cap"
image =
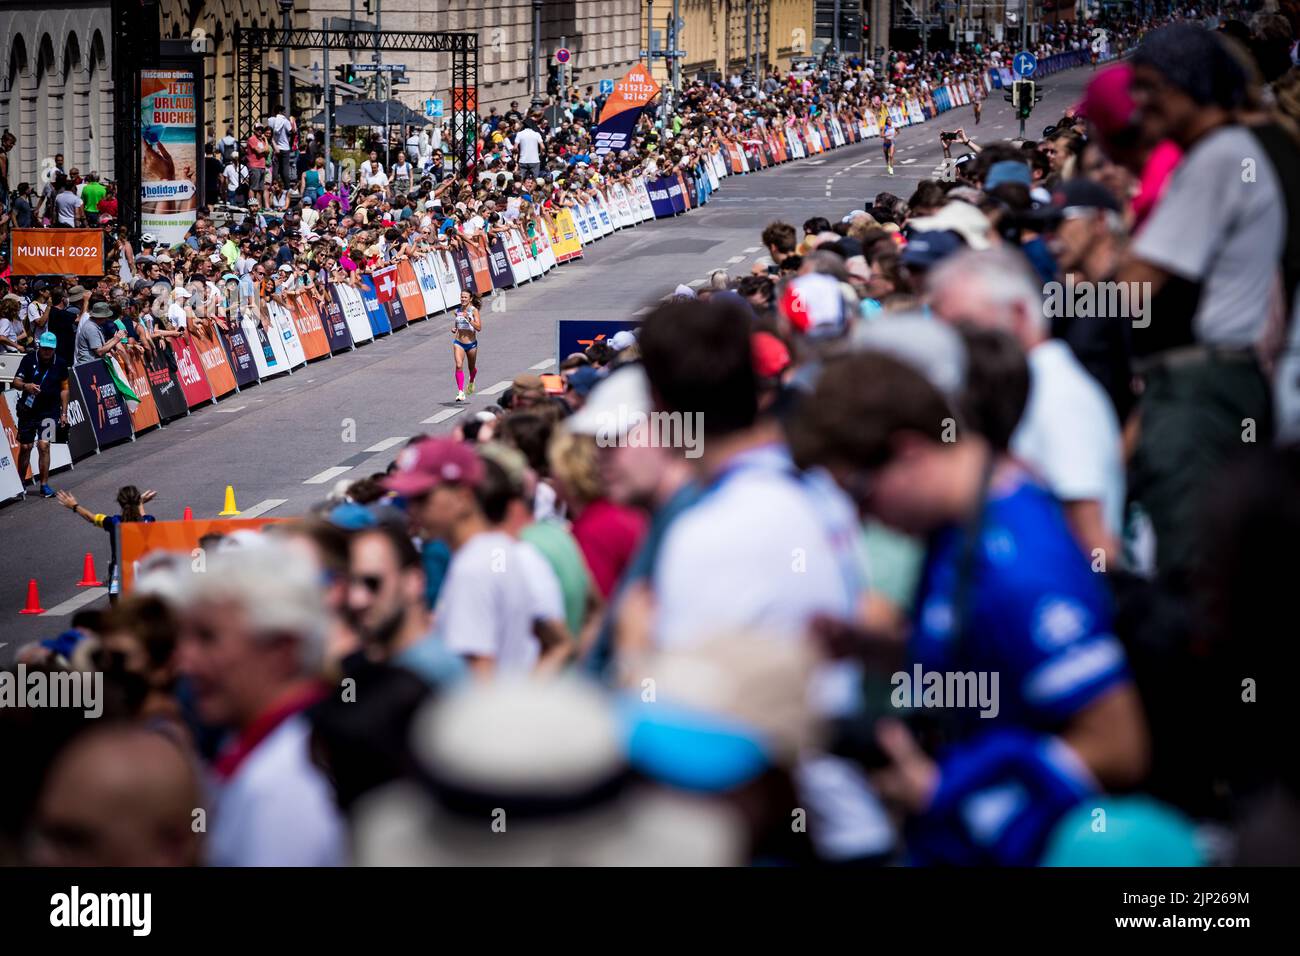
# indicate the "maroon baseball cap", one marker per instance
pixel 1107 103
pixel 435 461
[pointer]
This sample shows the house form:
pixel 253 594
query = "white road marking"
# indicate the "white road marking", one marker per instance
pixel 440 417
pixel 231 411
pixel 734 259
pixel 905 162
pixel 496 389
pixel 387 443
pixel 750 249
pixel 76 603
pixel 544 363
pixel 329 474
pixel 262 507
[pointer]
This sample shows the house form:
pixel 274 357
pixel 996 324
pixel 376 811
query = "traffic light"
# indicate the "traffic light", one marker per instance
pixel 1024 96
pixel 346 73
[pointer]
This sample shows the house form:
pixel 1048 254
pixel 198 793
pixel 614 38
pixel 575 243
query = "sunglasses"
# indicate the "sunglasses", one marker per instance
pixel 371 582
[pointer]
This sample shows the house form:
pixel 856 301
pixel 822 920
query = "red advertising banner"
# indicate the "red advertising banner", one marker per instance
pixel 315 344
pixel 190 372
pixel 145 413
pixel 408 289
pixel 213 360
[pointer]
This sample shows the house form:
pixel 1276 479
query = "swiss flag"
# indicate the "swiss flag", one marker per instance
pixel 385 284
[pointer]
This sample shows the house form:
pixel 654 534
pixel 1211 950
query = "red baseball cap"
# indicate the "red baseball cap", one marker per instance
pixel 435 461
pixel 1107 103
pixel 771 357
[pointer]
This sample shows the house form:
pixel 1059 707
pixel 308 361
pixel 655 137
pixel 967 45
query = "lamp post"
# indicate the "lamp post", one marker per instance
pixel 538 99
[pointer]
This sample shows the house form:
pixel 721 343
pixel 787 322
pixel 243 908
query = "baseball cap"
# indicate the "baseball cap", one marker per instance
pixel 583 379
pixel 1007 171
pixel 48 340
pixel 527 382
pixel 426 464
pixel 621 397
pixel 814 304
pixel 1107 103
pixel 925 249
pixel 1083 194
pixel 935 349
pixel 959 217
pixel 285 267
pixel 770 355
pixel 622 340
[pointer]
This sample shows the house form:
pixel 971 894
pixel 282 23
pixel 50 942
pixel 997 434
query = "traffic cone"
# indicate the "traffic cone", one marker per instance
pixel 188 515
pixel 230 510
pixel 88 579
pixel 33 600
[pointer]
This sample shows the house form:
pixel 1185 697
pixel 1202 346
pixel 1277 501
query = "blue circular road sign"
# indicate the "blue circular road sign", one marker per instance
pixel 1025 63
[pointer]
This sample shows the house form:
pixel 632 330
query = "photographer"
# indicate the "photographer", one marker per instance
pixel 948 137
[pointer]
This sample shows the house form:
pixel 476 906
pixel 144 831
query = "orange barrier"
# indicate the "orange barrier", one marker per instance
pixel 135 539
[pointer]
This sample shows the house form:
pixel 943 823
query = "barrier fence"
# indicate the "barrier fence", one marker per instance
pixel 254 338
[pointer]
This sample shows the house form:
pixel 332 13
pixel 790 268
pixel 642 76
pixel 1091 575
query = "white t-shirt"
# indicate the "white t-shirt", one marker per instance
pixel 529 142
pixel 721 571
pixel 486 607
pixel 280 127
pixel 66 205
pixel 234 175
pixel 176 316
pixel 278 809
pixel 368 169
pixel 1069 433
pixel 543 583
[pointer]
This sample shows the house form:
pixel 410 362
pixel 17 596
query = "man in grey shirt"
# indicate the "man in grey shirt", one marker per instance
pixel 91 343
pixel 1210 258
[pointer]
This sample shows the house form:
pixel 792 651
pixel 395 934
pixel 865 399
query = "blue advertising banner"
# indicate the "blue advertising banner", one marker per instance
pixel 499 264
pixel 107 411
pixel 575 335
pixel 374 311
pixel 335 323
pixel 238 354
pixel 660 200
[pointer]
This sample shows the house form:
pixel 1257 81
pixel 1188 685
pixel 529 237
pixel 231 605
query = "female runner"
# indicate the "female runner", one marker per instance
pixel 464 343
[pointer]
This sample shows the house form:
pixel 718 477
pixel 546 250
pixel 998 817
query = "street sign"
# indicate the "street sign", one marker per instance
pixel 606 87
pixel 664 54
pixel 380 68
pixel 1025 63
pixel 562 55
pixel 433 109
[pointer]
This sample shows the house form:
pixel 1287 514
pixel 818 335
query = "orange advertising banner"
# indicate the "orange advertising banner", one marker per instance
pixel 408 290
pixel 212 357
pixel 315 343
pixel 476 249
pixel 145 413
pixel 137 538
pixel 76 252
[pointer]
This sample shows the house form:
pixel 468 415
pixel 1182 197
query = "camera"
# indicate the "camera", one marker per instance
pixel 947 137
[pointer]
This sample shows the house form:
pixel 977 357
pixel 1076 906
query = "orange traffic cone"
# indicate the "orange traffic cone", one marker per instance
pixel 88 579
pixel 33 600
pixel 188 515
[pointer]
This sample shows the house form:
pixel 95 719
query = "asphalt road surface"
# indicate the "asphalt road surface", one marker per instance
pixel 282 445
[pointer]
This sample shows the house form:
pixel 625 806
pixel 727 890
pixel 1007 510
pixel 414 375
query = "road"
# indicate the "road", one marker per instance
pixel 282 444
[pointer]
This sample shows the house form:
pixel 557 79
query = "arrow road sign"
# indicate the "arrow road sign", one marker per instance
pixel 606 87
pixel 1025 63
pixel 433 108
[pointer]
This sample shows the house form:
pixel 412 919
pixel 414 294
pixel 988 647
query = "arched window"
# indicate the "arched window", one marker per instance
pixel 75 101
pixel 45 146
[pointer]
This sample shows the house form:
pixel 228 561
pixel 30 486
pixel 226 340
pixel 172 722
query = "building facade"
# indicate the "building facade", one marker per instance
pixel 601 35
pixel 56 87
